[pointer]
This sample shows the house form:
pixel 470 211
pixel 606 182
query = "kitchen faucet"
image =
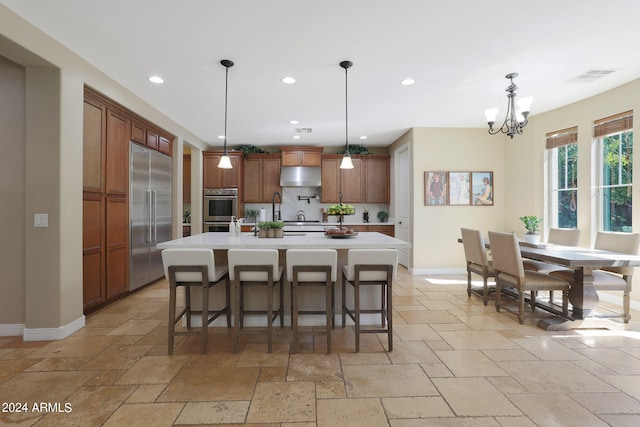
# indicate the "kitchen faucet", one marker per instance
pixel 273 206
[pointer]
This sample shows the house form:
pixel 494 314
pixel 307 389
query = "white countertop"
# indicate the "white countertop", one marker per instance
pixel 308 240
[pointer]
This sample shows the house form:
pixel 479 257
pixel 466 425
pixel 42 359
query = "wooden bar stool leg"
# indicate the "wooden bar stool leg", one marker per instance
pixel 236 312
pixel 389 292
pixel 294 312
pixel 172 315
pixel 356 298
pixel 205 317
pixel 329 311
pixel 270 315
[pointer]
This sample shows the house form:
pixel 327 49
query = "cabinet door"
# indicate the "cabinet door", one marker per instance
pixel 93 137
pixel 117 153
pixel 164 145
pixel 138 132
pixel 117 238
pixel 270 178
pixel 186 178
pixel 384 229
pixel 211 178
pixel 93 253
pixel 353 182
pixel 252 180
pixel 330 180
pixel 310 158
pixel 231 178
pixel 153 140
pixel 377 180
pixel 291 158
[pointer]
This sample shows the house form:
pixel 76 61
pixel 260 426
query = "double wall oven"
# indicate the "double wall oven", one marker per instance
pixel 219 205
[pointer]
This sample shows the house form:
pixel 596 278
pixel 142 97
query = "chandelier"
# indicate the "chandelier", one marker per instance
pixel 516 119
pixel 225 160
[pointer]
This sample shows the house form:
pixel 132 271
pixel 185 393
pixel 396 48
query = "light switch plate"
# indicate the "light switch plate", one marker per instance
pixel 41 220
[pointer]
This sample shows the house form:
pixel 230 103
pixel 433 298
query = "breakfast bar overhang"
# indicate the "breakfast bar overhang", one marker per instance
pixel 221 242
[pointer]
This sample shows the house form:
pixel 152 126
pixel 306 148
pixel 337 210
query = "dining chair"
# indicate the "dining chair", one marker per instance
pixel 194 268
pixel 477 261
pixel 312 268
pixel 510 273
pixel 613 278
pixel 370 267
pixel 255 268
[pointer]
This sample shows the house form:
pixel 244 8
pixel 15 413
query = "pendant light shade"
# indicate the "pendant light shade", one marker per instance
pixel 346 160
pixel 225 160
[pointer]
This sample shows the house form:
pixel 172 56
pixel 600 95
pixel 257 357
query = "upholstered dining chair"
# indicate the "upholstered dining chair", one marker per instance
pixel 613 278
pixel 370 267
pixel 194 268
pixel 251 268
pixel 312 268
pixel 510 272
pixel 477 260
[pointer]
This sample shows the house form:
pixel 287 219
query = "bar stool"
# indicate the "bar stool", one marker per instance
pixel 255 267
pixel 188 268
pixel 312 267
pixel 370 267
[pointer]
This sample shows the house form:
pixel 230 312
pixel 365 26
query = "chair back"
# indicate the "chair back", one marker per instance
pixel 253 257
pixel 474 250
pixel 189 257
pixel 564 236
pixel 505 252
pixel 371 257
pixel 296 257
pixel 627 243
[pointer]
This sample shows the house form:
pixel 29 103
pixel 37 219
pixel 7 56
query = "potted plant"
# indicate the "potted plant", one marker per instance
pixel 252 213
pixel 277 227
pixel 263 228
pixel 382 216
pixel 532 224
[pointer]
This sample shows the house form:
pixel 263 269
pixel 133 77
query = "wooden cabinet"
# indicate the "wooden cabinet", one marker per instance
pixel 108 129
pixel 214 177
pixel 384 229
pixel 367 182
pixel 261 177
pixel 301 156
pixel 186 178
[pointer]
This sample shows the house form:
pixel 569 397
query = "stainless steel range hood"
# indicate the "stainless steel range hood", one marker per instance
pixel 300 176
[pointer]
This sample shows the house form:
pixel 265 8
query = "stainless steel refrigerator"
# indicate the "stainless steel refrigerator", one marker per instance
pixel 149 212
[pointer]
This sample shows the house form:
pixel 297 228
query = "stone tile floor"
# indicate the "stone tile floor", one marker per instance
pixel 455 363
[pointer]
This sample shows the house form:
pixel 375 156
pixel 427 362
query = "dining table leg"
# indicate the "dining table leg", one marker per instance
pixel 582 294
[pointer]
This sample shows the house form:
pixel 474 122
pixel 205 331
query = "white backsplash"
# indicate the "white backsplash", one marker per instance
pixel 291 205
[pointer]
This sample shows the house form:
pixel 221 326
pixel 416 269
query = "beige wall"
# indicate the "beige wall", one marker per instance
pixel 12 182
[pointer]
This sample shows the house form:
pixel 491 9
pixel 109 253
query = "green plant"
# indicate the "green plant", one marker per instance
pixel 264 225
pixel 277 225
pixel 341 210
pixel 357 150
pixel 531 223
pixel 383 215
pixel 250 149
pixel 251 213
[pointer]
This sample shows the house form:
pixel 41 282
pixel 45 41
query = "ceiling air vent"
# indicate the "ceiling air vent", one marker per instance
pixel 591 76
pixel 304 130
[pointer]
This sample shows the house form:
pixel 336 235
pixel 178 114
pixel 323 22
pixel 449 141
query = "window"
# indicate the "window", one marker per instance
pixel 615 148
pixel 563 161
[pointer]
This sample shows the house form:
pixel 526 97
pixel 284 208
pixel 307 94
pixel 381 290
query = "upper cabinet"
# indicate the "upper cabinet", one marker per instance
pixel 367 182
pixel 301 156
pixel 261 177
pixel 214 177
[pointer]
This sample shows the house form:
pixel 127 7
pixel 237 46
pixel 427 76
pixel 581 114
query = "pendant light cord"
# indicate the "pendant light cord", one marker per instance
pixel 346 110
pixel 226 93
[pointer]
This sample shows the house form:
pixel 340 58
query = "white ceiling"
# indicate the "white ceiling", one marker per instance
pixel 458 51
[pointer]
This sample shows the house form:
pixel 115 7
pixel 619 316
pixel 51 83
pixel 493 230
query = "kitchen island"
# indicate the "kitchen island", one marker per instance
pixel 313 298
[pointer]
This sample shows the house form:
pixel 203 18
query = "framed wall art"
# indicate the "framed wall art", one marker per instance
pixel 482 188
pixel 460 188
pixel 435 188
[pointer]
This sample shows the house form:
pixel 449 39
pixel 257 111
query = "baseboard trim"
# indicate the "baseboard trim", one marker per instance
pixel 53 334
pixel 14 330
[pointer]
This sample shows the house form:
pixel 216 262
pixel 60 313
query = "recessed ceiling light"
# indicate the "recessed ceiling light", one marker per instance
pixel 156 79
pixel 293 122
pixel 296 136
pixel 363 137
pixel 288 80
pixel 220 136
pixel 407 82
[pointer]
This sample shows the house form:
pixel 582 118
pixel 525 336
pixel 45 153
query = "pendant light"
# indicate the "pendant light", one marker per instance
pixel 225 160
pixel 346 160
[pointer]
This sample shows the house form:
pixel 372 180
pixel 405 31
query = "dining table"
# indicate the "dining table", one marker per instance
pixel 582 295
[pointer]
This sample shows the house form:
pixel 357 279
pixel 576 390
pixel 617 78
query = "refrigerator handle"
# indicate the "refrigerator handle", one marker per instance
pixel 149 222
pixel 155 216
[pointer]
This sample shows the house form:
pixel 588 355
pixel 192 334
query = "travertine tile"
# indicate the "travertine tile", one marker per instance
pixel 153 370
pixel 415 332
pixel 470 363
pixel 607 403
pixel 387 381
pixel 146 393
pixel 614 359
pixel 145 414
pixel 477 340
pixel 554 409
pixel 283 402
pixel 474 397
pixel 214 412
pixel 416 407
pixel 314 367
pixel 351 412
pixel 214 384
pixel 546 348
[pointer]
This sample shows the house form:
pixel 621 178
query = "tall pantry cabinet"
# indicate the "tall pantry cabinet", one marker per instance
pixel 107 132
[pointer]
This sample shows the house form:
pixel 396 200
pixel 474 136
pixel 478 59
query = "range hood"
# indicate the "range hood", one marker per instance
pixel 300 176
